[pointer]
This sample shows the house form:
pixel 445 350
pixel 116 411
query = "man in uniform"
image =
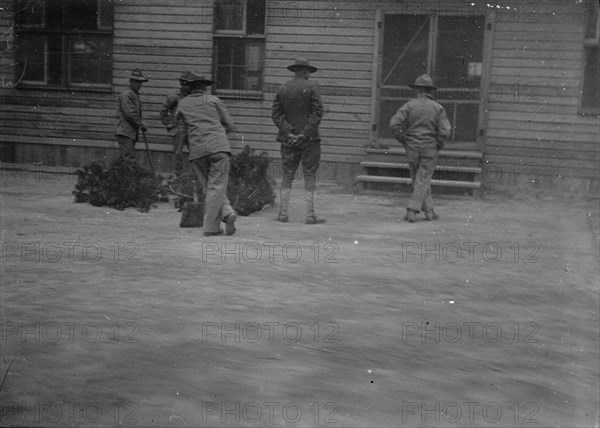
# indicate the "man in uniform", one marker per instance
pixel 297 112
pixel 203 122
pixel 422 126
pixel 130 116
pixel 167 117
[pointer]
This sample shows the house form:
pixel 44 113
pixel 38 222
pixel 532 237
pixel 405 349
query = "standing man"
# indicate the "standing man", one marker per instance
pixel 297 112
pixel 422 126
pixel 203 122
pixel 129 110
pixel 167 117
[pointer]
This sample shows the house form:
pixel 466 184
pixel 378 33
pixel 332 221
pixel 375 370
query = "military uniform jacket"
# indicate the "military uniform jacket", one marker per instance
pixel 129 111
pixel 421 123
pixel 203 122
pixel 297 109
pixel 167 112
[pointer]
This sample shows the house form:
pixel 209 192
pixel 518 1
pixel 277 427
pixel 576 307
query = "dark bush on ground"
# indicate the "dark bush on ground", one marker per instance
pixel 249 189
pixel 125 184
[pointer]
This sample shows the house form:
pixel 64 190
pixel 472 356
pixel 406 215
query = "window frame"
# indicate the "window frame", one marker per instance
pixel 67 38
pixel 221 34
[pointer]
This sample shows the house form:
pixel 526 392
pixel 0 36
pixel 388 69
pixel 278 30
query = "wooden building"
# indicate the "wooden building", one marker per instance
pixel 519 80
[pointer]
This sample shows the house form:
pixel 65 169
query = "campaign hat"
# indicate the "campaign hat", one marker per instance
pixel 137 75
pixel 198 79
pixel 301 63
pixel 423 81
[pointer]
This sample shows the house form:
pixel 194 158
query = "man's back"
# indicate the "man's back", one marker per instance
pixel 206 121
pixel 423 121
pixel 298 103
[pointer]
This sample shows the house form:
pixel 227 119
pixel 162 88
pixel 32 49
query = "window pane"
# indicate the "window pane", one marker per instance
pixel 229 15
pixel 239 63
pixel 91 59
pixel 30 58
pixel 105 14
pixel 29 13
pixel 405 48
pixel 256 17
pixel 54 14
pixel 80 14
pixel 55 59
pixel 591 76
pixel 254 66
pixel 459 50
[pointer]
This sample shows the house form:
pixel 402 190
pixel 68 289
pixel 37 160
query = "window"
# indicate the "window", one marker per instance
pixel 590 92
pixel 239 46
pixel 64 43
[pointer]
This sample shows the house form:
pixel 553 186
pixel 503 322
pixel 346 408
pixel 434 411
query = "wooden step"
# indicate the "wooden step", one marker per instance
pixel 399 151
pixel 401 165
pixel 406 180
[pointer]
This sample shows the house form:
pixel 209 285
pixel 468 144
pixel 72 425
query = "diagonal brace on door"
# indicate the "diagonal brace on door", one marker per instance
pixel 404 52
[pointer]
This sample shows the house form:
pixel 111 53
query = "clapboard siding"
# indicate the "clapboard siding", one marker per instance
pixel 531 91
pixel 547 54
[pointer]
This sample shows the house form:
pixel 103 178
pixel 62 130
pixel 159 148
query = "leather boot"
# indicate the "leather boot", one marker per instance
pixel 284 203
pixel 311 217
pixel 411 215
pixel 431 215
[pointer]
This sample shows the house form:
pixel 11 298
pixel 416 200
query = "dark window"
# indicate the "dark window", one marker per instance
pixel 239 43
pixel 64 43
pixel 590 92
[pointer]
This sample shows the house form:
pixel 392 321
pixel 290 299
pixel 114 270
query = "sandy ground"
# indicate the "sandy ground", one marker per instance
pixel 487 317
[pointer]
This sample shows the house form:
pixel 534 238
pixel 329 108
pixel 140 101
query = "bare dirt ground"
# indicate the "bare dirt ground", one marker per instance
pixel 487 317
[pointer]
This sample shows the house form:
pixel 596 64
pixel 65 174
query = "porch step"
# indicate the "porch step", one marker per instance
pixel 406 180
pixel 462 154
pixel 393 165
pixel 387 168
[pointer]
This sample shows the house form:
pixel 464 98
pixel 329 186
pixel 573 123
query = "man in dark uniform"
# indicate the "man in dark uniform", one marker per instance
pixel 422 126
pixel 129 110
pixel 167 117
pixel 297 112
pixel 203 122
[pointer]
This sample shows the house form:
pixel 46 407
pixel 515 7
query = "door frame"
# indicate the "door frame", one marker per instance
pixel 377 70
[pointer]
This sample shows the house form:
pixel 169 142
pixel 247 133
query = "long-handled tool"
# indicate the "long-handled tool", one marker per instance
pixel 148 151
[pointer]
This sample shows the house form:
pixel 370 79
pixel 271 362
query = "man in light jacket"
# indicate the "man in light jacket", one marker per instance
pixel 129 110
pixel 422 126
pixel 203 123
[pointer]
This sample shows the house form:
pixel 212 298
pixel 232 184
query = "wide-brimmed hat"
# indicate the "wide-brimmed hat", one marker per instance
pixel 423 81
pixel 198 79
pixel 301 63
pixel 185 77
pixel 137 75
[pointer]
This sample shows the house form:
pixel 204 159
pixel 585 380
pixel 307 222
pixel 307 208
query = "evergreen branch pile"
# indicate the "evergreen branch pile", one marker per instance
pixel 125 184
pixel 249 188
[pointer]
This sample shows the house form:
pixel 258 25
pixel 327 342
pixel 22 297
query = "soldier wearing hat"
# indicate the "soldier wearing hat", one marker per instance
pixel 422 126
pixel 203 123
pixel 167 117
pixel 297 112
pixel 130 116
